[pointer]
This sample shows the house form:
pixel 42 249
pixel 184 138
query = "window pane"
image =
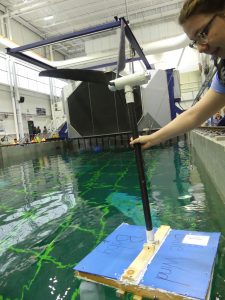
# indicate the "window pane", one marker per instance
pixel 59 83
pixel 3 64
pixel 32 85
pixel 4 77
pixel 32 74
pixel 43 88
pixel 22 82
pixel 21 70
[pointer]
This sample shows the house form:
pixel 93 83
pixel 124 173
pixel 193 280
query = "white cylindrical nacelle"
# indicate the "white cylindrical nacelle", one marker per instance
pixel 129 80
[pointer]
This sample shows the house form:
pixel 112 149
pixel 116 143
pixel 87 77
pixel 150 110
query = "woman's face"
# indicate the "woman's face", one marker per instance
pixel 213 27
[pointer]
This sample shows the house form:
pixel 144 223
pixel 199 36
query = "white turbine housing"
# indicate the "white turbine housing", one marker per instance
pixel 131 80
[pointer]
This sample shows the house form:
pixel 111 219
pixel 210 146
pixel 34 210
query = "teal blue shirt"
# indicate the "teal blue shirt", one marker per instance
pixel 217 86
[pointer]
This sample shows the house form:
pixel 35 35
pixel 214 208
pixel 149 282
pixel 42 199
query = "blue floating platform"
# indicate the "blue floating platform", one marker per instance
pixel 182 266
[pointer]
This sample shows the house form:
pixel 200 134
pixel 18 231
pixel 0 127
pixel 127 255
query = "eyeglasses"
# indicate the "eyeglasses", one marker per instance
pixel 202 36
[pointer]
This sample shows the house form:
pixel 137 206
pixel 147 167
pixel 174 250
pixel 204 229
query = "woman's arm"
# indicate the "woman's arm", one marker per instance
pixel 209 104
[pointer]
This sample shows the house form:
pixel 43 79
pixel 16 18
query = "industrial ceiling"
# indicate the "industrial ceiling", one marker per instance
pixel 56 17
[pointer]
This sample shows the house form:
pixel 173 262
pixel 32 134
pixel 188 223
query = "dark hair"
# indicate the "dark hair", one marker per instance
pixel 195 7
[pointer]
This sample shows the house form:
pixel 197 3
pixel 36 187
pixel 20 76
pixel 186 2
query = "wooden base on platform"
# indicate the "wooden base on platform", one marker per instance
pixel 134 271
pixel 170 268
pixel 138 267
pixel 128 288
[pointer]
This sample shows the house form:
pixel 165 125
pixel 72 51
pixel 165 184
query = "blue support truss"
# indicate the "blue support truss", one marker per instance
pixel 18 51
pixel 67 36
pixel 174 110
pixel 134 43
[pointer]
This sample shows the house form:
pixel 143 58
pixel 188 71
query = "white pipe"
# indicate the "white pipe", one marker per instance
pixel 13 99
pixel 151 48
pixel 2 25
pixel 8 27
pixel 16 99
pixel 172 43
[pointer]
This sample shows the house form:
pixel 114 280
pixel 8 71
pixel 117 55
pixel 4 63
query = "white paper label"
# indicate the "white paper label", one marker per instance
pixel 200 240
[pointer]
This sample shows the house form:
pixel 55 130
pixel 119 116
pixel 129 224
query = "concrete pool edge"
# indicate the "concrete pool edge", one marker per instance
pixel 14 154
pixel 211 152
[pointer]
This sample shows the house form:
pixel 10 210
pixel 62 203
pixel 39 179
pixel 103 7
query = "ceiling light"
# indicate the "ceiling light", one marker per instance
pixel 48 18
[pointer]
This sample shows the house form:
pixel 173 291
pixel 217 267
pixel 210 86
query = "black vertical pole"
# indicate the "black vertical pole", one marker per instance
pixel 133 120
pixel 140 166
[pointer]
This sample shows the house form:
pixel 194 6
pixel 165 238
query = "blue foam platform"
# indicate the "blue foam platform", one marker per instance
pixel 183 264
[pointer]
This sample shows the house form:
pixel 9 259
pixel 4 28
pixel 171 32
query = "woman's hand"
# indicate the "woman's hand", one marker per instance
pixel 146 141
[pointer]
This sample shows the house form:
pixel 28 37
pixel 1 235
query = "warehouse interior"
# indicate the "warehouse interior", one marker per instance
pixel 26 22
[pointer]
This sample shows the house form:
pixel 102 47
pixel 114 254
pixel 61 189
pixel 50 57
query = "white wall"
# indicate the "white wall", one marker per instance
pixel 32 101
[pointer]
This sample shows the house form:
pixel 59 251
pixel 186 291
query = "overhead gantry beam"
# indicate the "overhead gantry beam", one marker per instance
pixel 18 51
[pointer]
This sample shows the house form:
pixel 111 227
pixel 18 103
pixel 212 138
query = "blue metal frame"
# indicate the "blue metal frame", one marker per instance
pixel 174 110
pixel 130 36
pixel 67 36
pixel 17 51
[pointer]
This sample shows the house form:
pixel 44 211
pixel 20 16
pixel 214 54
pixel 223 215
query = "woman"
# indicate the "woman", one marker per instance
pixel 204 23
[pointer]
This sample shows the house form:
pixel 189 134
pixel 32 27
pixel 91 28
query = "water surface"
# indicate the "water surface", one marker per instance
pixel 56 209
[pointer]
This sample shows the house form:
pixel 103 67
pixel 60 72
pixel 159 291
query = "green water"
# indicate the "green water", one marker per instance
pixel 56 209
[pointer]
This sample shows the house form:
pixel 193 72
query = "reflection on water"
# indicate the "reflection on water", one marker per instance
pixel 55 210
